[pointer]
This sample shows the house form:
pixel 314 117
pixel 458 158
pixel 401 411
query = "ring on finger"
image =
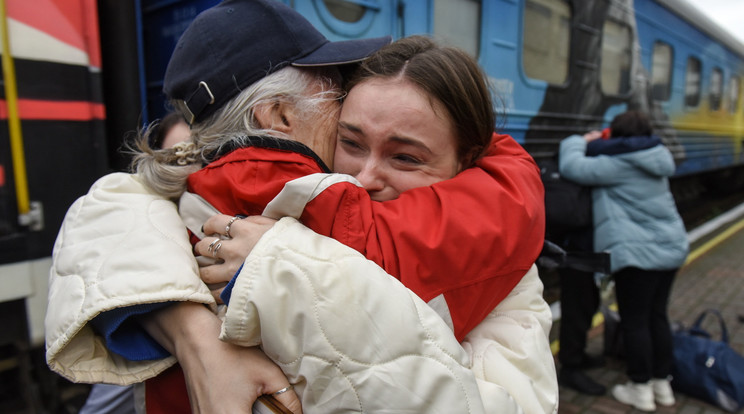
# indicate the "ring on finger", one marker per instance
pixel 216 249
pixel 211 245
pixel 229 223
pixel 283 390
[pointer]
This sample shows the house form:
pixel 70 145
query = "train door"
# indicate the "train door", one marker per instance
pixel 595 74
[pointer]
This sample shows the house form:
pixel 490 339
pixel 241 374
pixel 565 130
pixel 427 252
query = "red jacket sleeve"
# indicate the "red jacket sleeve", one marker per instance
pixel 470 238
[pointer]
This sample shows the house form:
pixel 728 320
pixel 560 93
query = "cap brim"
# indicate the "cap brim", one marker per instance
pixel 339 53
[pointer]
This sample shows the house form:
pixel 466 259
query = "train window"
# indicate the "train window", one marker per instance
pixel 546 40
pixel 716 89
pixel 345 11
pixel 616 58
pixel 733 90
pixel 692 82
pixel 661 71
pixel 457 22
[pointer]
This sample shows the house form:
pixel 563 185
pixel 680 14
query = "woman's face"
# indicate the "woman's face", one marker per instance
pixel 392 137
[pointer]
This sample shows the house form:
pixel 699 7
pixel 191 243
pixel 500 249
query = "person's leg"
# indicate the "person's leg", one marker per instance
pixel 661 335
pixel 661 332
pixel 634 290
pixel 579 303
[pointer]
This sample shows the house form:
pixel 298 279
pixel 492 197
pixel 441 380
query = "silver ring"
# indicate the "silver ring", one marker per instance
pixel 283 390
pixel 211 245
pixel 216 248
pixel 229 223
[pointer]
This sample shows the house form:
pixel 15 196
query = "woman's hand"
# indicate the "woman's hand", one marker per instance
pixel 220 377
pixel 230 378
pixel 592 135
pixel 231 240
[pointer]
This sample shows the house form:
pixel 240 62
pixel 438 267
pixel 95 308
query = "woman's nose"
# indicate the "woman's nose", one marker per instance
pixel 370 177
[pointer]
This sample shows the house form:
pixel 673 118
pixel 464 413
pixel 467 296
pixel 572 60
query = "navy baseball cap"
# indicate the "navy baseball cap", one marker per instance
pixel 237 42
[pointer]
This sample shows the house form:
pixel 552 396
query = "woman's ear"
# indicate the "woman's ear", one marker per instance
pixel 277 116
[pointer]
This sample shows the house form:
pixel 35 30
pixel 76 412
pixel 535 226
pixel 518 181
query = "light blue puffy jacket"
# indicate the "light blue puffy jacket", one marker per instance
pixel 635 216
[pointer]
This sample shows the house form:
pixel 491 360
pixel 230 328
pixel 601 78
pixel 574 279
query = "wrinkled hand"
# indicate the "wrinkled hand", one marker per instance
pixel 229 252
pixel 220 377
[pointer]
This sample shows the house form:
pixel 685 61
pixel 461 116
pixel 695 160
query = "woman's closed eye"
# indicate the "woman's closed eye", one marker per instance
pixel 350 145
pixel 407 159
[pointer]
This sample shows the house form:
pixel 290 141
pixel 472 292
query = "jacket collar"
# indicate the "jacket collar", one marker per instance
pixel 266 141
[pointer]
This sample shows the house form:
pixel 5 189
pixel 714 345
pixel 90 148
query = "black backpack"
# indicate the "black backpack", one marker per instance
pixel 568 205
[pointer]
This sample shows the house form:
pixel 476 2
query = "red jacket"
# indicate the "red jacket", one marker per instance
pixel 470 238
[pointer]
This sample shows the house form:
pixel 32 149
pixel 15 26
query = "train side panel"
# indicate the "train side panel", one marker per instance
pixel 708 123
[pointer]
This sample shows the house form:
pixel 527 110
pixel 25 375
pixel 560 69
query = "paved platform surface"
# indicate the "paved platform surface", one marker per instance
pixel 714 279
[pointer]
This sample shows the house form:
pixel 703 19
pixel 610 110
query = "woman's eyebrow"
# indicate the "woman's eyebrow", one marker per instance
pixel 350 127
pixel 401 140
pixel 412 142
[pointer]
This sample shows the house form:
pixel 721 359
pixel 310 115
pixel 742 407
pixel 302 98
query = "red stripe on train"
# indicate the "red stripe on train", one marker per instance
pixel 30 109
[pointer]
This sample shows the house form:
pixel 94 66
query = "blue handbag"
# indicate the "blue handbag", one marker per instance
pixel 707 369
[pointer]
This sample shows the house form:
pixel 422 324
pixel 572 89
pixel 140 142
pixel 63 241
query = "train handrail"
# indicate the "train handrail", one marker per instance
pixel 27 216
pixel 14 120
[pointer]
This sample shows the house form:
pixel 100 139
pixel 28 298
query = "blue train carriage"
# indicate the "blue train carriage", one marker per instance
pixel 565 67
pixel 700 88
pixel 558 66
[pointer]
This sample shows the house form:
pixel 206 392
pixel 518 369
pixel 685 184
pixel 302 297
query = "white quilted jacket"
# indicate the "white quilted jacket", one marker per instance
pixel 97 265
pixel 360 330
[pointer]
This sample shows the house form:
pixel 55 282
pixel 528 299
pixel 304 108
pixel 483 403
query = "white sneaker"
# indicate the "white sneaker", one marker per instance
pixel 662 392
pixel 639 395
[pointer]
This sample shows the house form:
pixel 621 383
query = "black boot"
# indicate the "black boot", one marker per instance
pixel 580 382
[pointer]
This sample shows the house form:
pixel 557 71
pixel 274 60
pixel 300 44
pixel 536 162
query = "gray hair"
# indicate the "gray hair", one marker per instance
pixel 166 170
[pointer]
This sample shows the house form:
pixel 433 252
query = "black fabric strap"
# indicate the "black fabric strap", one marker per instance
pixel 270 143
pixel 200 99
